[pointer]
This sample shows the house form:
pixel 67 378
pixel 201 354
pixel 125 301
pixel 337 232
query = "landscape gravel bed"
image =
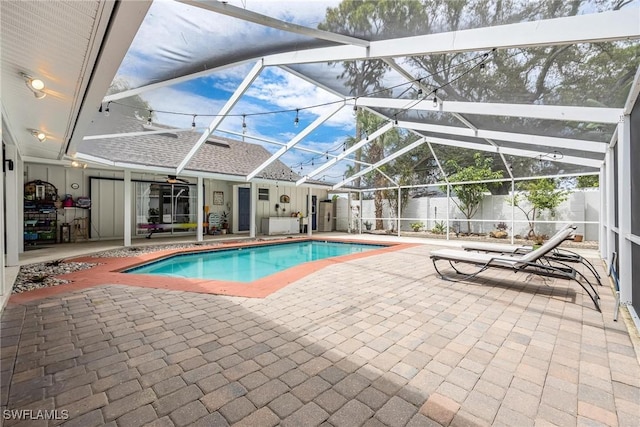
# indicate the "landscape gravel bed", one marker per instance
pixel 42 275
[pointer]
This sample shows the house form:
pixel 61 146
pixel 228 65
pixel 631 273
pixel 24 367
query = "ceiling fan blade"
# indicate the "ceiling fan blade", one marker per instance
pixel 173 179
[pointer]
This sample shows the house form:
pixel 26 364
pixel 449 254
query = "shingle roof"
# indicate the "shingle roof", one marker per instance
pixel 218 155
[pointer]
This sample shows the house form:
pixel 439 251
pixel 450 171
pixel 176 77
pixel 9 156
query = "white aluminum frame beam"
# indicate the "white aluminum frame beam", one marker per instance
pixel 633 93
pixel 547 112
pixel 231 102
pixel 296 139
pixel 547 141
pixel 281 144
pixel 515 152
pixel 624 209
pixel 393 64
pixel 376 165
pixel 170 82
pixel 597 27
pixel 224 8
pixel 591 28
pixel 387 127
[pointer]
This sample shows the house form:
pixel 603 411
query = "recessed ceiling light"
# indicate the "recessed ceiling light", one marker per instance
pixel 36 85
pixel 41 136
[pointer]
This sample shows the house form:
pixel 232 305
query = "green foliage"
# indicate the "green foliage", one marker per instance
pixel 592 74
pixel 439 228
pixel 539 195
pixel 587 181
pixel 416 226
pixel 470 195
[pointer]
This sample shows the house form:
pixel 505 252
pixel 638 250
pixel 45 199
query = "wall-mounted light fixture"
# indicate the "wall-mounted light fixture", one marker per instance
pixel 7 165
pixel 36 85
pixel 40 136
pixel 77 164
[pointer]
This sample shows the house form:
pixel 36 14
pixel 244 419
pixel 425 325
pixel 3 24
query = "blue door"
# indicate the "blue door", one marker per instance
pixel 244 209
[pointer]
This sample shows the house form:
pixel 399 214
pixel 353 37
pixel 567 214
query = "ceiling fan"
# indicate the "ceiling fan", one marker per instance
pixel 172 179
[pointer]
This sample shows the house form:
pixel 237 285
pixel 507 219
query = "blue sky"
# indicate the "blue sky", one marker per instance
pixel 167 39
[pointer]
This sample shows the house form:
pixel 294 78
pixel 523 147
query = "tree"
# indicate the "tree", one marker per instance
pixel 371 20
pixel 373 152
pixel 470 195
pixel 595 74
pixel 587 181
pixel 541 195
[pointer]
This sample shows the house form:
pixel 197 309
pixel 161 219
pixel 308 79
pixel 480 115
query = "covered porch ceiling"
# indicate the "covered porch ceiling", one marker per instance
pixel 447 83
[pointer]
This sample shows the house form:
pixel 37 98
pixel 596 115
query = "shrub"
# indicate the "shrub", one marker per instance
pixel 416 226
pixel 439 228
pixel 502 226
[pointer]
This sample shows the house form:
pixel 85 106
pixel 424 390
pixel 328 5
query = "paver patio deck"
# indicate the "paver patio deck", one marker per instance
pixel 373 341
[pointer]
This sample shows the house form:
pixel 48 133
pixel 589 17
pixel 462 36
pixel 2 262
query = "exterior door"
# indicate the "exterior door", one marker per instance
pixel 314 218
pixel 244 209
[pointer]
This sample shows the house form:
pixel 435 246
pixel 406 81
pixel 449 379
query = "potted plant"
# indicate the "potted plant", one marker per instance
pixel 367 225
pixel 153 215
pixel 538 240
pixel 224 222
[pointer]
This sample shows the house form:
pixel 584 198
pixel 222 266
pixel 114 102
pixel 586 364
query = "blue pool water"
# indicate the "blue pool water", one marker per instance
pixel 250 263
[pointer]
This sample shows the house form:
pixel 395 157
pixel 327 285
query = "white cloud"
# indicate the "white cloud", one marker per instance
pixel 289 92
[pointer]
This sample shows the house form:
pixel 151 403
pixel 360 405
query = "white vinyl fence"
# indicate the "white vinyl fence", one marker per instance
pixel 582 209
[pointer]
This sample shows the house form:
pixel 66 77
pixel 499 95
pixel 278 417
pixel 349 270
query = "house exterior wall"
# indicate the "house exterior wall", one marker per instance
pixel 297 202
pixel 107 210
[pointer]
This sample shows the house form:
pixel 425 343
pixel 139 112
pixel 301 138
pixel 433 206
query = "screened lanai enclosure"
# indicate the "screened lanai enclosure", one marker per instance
pixel 463 115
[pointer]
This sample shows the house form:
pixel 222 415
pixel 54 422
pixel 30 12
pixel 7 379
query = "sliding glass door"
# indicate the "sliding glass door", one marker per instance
pixel 165 208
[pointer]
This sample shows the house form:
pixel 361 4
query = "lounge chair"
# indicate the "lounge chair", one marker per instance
pixel 557 254
pixel 534 262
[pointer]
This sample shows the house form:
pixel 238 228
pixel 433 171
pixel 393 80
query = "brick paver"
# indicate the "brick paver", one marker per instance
pixel 377 341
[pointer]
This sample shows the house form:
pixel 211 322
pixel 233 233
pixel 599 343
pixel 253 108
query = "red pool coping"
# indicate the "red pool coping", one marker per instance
pixel 110 272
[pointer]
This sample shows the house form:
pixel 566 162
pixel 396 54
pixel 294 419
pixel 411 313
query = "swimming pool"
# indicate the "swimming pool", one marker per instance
pixel 248 264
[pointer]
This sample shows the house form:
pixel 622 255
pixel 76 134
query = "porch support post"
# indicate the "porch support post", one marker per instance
pixel 254 204
pixel 5 288
pixel 611 200
pixel 513 210
pixel 309 207
pixel 602 229
pixel 349 215
pixel 127 208
pixel 448 207
pixel 399 207
pixel 200 210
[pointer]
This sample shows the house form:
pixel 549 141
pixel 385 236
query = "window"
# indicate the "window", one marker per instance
pixel 263 194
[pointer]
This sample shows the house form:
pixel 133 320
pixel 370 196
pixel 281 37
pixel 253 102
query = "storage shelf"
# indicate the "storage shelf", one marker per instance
pixel 41 215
